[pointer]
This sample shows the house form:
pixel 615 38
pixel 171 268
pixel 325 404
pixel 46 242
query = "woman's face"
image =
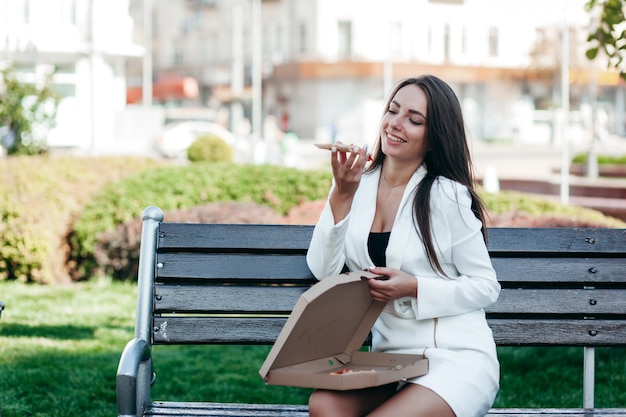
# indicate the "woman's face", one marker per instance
pixel 403 128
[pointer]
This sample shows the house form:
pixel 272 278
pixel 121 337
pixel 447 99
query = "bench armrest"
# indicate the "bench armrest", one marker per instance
pixel 134 379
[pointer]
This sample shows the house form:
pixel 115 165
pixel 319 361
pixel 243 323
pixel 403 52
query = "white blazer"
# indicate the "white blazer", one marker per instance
pixel 445 320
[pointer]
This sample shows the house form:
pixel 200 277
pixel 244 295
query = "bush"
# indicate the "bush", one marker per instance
pixel 116 252
pixel 184 187
pixel 27 112
pixel 40 197
pixel 210 148
pixel 602 159
pixel 511 203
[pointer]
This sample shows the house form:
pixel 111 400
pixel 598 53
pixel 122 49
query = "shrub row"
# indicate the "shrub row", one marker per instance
pixel 116 252
pixel 40 197
pixel 517 202
pixel 70 218
pixel 602 159
pixel 183 187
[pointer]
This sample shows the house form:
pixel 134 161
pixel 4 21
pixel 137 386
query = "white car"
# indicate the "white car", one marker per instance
pixel 177 137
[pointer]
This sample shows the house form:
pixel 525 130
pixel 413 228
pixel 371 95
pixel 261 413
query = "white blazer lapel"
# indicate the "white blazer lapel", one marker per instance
pixel 403 224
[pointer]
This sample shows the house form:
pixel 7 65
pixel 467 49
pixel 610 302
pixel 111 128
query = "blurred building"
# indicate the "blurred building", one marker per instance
pixel 326 64
pixel 87 43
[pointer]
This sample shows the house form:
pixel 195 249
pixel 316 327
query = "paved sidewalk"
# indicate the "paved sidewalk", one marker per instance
pixel 526 168
pixel 524 161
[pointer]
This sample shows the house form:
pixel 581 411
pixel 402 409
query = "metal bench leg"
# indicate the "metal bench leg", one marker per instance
pixel 589 377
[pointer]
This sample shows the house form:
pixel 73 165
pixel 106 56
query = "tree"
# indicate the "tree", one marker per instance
pixel 27 113
pixel 608 32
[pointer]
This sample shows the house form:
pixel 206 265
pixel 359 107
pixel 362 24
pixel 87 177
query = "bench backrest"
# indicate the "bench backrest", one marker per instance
pixel 236 284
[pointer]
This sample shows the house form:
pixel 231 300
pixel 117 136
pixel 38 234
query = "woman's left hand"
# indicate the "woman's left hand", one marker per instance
pixel 396 284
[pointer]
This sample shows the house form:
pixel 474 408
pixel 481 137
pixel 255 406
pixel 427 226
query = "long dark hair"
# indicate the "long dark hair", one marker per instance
pixel 448 156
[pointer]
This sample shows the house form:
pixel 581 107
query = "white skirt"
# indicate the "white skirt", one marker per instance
pixel 467 380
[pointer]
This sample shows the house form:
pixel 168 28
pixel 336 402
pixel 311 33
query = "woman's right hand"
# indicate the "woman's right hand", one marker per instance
pixel 347 168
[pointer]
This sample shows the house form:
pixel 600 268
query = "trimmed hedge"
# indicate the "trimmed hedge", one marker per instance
pixel 517 202
pixel 602 159
pixel 182 187
pixel 53 210
pixel 210 148
pixel 40 196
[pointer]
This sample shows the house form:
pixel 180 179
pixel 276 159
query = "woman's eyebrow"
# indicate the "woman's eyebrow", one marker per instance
pixel 419 113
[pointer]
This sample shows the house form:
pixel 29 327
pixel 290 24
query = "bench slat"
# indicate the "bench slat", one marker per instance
pixel 551 332
pixel 233 267
pixel 217 330
pixel 205 409
pixel 211 299
pixel 273 267
pixel 296 237
pixel 558 240
pixel 560 270
pixel 196 409
pixel 183 236
pixel 591 303
pixel 224 299
pixel 511 332
pixel 554 412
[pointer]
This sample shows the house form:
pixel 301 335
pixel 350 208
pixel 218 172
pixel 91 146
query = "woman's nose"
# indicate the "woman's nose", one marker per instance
pixel 394 122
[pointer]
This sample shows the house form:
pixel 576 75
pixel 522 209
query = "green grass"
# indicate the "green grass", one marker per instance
pixel 60 346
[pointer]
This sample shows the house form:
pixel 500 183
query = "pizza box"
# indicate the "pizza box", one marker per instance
pixel 320 344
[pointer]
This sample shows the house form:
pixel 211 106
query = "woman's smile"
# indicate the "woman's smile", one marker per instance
pixel 393 138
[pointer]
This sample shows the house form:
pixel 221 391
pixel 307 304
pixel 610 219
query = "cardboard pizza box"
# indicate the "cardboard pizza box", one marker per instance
pixel 320 344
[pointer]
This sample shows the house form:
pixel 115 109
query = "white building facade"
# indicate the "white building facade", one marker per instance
pixel 330 62
pixel 87 43
pixel 323 64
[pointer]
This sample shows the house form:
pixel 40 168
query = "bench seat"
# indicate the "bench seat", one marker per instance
pixel 223 284
pixel 200 409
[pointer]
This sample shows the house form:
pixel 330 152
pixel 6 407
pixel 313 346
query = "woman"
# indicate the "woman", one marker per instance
pixel 413 215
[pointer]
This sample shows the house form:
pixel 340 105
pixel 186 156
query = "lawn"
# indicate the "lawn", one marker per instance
pixel 60 345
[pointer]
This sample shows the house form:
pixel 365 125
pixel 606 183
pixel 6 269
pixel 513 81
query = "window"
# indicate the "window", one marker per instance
pixel 68 12
pixel 207 47
pixel 198 21
pixel 302 38
pixel 395 38
pixel 446 42
pixel 179 55
pixel 345 39
pixel 65 68
pixel 26 10
pixel 278 40
pixel 464 40
pixel 493 41
pixel 429 39
pixel 266 46
pixel 65 89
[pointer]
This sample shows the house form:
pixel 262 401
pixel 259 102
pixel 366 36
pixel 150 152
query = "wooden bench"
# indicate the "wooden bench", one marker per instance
pixel 230 284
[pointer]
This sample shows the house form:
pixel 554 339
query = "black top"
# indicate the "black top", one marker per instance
pixel 376 246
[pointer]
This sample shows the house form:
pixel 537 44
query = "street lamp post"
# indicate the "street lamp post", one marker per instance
pixel 565 107
pixel 92 80
pixel 146 97
pixel 256 68
pixel 237 69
